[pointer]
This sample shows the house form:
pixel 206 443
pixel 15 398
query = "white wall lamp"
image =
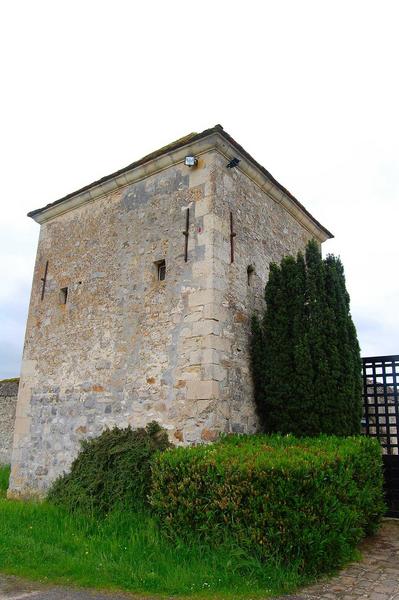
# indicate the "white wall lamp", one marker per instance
pixel 190 161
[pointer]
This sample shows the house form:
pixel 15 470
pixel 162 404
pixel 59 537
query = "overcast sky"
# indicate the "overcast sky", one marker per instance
pixel 309 88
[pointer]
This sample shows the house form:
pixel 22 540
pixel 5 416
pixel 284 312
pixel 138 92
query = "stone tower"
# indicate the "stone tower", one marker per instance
pixel 142 294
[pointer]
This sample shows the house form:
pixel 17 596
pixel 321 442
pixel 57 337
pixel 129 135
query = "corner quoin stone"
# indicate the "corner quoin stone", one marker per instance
pixel 124 348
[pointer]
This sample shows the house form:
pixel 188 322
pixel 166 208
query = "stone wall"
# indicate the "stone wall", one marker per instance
pixel 127 348
pixel 8 403
pixel 115 353
pixel 265 233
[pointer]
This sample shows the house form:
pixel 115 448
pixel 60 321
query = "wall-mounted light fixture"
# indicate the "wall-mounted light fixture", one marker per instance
pixel 233 163
pixel 190 161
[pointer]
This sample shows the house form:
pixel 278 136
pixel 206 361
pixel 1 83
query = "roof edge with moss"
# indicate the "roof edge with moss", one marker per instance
pixel 176 145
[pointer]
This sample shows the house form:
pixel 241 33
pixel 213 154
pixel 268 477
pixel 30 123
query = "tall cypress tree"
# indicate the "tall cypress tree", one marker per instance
pixel 303 368
pixel 257 349
pixel 349 383
pixel 306 359
pixel 318 335
pixel 277 362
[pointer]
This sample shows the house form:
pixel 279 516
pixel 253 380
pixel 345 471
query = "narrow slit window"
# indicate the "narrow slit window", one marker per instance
pixel 161 270
pixel 43 280
pixel 63 295
pixel 250 274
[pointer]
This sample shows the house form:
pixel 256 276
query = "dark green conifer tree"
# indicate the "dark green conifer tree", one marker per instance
pixel 303 369
pixel 257 350
pixel 349 382
pixel 305 354
pixel 276 360
pixel 318 334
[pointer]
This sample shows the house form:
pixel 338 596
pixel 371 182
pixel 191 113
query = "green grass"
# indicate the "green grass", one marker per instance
pixel 126 551
pixel 4 476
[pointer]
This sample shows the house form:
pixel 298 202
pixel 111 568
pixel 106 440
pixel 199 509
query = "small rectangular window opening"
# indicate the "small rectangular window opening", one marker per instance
pixel 250 274
pixel 63 295
pixel 161 270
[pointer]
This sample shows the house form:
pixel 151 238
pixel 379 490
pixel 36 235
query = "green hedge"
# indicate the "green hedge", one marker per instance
pixel 112 470
pixel 306 501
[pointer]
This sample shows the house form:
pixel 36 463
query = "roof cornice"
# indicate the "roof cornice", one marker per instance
pixel 215 139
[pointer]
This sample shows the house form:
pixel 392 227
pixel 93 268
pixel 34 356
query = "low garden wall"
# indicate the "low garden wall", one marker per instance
pixel 8 403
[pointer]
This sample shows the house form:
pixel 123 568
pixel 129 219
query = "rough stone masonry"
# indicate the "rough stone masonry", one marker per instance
pixel 143 289
pixel 8 404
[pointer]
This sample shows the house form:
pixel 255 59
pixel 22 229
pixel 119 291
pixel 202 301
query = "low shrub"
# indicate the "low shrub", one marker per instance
pixel 303 501
pixel 111 470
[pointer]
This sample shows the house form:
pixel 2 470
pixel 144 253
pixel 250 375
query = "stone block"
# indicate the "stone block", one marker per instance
pixel 237 428
pixel 202 390
pixel 180 383
pixel 202 410
pixel 22 426
pixel 97 388
pixel 186 332
pixel 190 344
pixel 203 207
pixel 206 327
pixel 192 373
pixel 217 342
pixel 178 435
pixel 205 283
pixel 210 356
pixel 22 410
pixel 241 317
pixel 192 317
pixel 201 297
pixel 203 268
pixel 215 311
pixel 196 357
pixel 214 372
pixel 198 175
pixel 214 223
pixel 209 435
